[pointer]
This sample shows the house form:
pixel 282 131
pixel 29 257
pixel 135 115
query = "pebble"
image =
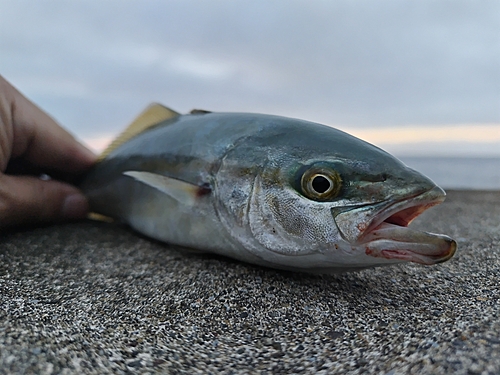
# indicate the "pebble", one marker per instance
pixel 94 298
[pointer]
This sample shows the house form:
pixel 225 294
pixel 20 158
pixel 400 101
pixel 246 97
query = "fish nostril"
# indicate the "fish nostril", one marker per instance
pixel 376 177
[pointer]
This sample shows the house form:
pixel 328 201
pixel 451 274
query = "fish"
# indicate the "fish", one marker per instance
pixel 268 190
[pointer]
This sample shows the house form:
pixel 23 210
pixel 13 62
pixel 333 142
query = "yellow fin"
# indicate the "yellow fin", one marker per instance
pixel 98 217
pixel 150 117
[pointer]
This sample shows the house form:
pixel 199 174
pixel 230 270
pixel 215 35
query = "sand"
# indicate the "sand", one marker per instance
pixel 95 298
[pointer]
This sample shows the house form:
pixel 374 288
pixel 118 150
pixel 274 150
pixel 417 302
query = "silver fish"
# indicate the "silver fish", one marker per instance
pixel 268 190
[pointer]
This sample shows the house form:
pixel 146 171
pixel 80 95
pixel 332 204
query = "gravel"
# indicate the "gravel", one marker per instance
pixel 96 298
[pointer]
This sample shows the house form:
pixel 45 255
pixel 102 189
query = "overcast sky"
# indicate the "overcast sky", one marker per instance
pixel 362 66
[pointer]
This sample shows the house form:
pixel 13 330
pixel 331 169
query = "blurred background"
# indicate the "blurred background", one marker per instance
pixel 420 79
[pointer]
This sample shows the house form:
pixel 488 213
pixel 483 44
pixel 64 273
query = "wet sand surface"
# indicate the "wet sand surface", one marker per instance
pixel 95 298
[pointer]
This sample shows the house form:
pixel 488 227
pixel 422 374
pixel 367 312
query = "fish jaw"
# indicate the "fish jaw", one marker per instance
pixel 391 241
pixel 382 230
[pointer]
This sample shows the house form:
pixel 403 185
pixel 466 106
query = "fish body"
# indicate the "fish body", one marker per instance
pixel 268 190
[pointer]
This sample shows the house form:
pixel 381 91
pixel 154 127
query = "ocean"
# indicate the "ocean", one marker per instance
pixel 459 172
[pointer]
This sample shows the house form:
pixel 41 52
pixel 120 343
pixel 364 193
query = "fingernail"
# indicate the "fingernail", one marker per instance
pixel 75 206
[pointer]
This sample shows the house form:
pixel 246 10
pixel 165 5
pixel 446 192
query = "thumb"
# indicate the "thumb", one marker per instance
pixel 25 199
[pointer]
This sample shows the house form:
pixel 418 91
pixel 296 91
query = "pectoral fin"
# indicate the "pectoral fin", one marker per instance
pixel 181 191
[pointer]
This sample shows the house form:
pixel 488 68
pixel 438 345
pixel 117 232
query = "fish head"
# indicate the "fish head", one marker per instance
pixel 325 201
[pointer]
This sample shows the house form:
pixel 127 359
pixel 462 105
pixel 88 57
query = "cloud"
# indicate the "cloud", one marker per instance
pixel 95 64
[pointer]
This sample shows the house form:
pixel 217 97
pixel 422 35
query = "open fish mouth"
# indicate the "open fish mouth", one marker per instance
pixel 383 231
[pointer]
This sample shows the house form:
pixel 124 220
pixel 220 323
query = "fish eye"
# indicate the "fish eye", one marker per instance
pixel 321 184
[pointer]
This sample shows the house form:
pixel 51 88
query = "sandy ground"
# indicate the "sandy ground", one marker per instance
pixel 96 298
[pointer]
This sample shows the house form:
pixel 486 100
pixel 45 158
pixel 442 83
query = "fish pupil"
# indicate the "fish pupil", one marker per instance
pixel 321 184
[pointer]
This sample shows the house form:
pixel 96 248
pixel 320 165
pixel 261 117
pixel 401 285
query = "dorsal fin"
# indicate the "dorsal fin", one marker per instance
pixel 151 116
pixel 199 112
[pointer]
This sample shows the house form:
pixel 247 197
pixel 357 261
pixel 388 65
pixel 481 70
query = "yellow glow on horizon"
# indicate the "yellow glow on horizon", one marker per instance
pixel 484 133
pixel 98 144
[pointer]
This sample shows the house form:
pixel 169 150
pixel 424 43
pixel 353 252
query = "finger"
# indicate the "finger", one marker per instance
pixel 26 199
pixel 40 140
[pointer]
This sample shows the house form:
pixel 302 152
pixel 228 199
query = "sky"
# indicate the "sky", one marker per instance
pixel 415 77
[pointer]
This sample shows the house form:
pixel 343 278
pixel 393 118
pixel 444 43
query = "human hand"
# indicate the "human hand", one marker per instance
pixel 32 144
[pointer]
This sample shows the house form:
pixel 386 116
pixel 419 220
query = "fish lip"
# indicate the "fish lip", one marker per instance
pixel 385 233
pixel 415 257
